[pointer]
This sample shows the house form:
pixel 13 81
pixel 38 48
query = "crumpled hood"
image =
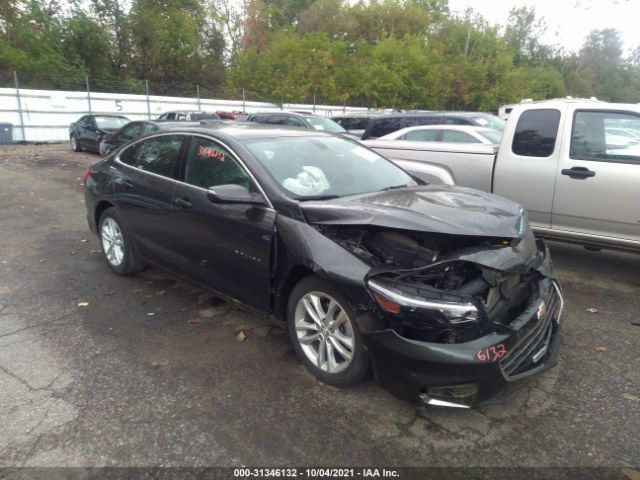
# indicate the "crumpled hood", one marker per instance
pixel 433 208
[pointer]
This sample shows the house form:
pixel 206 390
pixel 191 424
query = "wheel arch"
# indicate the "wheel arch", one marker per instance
pixel 281 298
pixel 100 208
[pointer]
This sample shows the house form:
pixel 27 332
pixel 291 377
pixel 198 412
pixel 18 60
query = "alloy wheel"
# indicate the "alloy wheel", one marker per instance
pixel 74 144
pixel 112 241
pixel 324 332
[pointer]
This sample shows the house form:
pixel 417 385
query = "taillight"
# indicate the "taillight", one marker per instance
pixel 85 176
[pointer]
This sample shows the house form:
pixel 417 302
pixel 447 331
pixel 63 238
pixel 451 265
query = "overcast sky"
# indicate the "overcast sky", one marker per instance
pixel 568 21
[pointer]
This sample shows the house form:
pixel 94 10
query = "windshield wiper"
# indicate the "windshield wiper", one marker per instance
pixel 393 187
pixel 320 197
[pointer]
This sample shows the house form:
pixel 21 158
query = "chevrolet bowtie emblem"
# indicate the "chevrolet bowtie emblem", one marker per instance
pixel 542 310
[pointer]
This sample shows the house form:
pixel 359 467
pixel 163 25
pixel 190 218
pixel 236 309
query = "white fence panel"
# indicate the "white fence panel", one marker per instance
pixel 46 114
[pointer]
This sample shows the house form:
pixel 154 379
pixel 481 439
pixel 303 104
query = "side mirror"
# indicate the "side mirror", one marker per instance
pixel 232 193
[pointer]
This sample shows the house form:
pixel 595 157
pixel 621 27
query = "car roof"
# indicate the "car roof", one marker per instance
pixel 428 114
pixel 292 114
pixel 248 131
pixel 462 128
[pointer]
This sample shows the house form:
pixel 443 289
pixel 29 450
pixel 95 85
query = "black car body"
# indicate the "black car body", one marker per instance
pixel 131 131
pixel 442 290
pixel 383 124
pixel 89 130
pixel 354 123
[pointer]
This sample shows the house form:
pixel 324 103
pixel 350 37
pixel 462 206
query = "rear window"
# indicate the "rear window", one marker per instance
pixel 536 133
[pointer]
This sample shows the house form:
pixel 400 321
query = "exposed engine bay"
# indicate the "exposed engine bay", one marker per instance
pixel 432 267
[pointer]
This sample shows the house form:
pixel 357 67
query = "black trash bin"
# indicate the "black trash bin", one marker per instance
pixel 6 133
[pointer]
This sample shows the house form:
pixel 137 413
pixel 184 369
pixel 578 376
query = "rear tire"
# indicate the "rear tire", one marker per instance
pixel 324 334
pixel 74 144
pixel 117 246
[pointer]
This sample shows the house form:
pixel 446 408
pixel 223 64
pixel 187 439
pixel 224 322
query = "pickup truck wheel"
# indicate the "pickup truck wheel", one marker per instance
pixel 74 144
pixel 324 334
pixel 116 244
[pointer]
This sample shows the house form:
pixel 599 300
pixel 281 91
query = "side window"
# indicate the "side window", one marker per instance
pixel 294 122
pixel 423 135
pixel 608 136
pixel 157 155
pixel 426 120
pixel 455 136
pixel 275 120
pixel 170 116
pixel 181 116
pixel 457 121
pixel 162 117
pixel 91 122
pixel 209 165
pixel 83 121
pixel 149 128
pixel 384 126
pixel 131 131
pixel 536 133
pixel 128 155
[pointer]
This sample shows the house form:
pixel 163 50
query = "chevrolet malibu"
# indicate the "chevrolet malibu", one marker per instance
pixel 442 291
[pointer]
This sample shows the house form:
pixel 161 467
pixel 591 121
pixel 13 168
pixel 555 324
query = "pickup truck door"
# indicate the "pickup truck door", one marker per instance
pixel 527 160
pixel 598 180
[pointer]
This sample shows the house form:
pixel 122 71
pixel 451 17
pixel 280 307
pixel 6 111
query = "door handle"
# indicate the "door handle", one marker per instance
pixel 182 202
pixel 578 173
pixel 125 183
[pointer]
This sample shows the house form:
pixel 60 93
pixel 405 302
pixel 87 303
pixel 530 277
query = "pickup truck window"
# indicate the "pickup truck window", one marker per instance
pixel 605 136
pixel 536 133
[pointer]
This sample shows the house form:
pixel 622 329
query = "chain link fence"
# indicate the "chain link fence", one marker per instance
pixel 43 107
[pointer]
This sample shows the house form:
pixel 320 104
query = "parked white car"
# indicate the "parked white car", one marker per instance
pixel 447 134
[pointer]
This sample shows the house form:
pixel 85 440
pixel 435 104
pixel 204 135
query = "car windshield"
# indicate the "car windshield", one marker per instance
pixel 493 136
pixel 326 167
pixel 489 121
pixel 110 122
pixel 325 125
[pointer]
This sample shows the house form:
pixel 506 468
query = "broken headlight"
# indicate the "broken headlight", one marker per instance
pixel 394 301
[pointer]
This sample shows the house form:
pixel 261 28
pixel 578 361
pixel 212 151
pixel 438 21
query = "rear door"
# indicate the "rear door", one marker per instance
pixel 226 246
pixel 598 185
pixel 143 190
pixel 525 170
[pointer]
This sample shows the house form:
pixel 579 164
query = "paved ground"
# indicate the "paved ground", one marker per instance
pixel 128 380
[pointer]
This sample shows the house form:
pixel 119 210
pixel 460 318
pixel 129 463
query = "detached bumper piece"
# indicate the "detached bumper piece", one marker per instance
pixel 480 371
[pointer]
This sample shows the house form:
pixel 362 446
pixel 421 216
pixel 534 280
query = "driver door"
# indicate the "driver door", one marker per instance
pixel 226 246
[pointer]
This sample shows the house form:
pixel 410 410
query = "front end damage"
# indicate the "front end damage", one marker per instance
pixel 455 320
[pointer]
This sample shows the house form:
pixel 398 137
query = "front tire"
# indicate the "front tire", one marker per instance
pixel 73 141
pixel 324 334
pixel 117 246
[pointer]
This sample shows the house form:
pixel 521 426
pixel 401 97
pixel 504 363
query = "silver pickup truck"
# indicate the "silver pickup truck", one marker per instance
pixel 573 164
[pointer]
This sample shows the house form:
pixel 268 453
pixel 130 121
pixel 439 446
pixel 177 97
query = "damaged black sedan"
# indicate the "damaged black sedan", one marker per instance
pixel 442 291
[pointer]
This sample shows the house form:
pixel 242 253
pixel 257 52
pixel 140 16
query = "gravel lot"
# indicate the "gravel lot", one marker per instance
pixel 149 372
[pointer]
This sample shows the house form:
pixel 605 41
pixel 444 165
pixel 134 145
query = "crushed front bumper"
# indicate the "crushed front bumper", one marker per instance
pixel 475 372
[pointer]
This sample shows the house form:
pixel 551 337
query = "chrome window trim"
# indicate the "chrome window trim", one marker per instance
pixel 233 154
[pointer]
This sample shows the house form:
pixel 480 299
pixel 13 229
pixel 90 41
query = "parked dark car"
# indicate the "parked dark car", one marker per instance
pixel 131 131
pixel 383 124
pixel 442 289
pixel 188 116
pixel 295 119
pixel 354 123
pixel 88 131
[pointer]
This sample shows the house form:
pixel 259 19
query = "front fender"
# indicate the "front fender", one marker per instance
pixel 300 244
